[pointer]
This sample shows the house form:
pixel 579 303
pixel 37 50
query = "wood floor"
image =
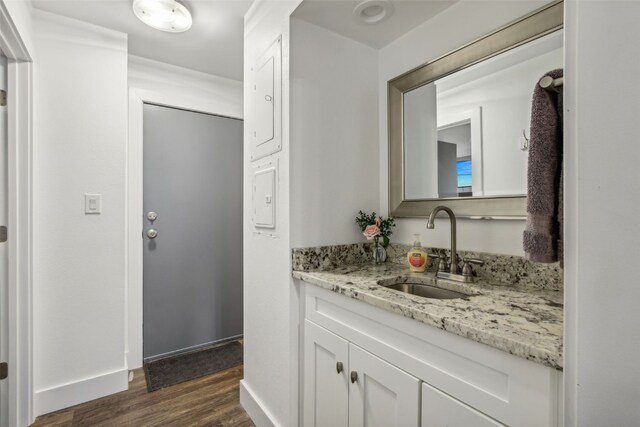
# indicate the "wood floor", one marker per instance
pixel 208 401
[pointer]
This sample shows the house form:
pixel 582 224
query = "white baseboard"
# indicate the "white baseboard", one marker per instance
pixel 260 416
pixel 64 396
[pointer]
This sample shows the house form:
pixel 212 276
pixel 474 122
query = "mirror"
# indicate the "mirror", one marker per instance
pixel 458 126
pixel 465 134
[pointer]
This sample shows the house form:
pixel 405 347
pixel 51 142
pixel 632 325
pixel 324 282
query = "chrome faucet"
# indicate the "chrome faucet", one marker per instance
pixel 453 267
pixel 454 270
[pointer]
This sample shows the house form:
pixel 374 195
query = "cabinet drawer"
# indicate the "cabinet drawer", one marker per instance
pixel 442 410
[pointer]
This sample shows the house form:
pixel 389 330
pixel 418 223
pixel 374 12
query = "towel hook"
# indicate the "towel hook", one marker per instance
pixel 525 144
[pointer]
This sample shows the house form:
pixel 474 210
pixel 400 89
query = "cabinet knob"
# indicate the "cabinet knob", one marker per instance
pixel 339 367
pixel 354 377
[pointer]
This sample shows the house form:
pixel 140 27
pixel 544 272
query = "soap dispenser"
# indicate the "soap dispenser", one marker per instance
pixel 417 257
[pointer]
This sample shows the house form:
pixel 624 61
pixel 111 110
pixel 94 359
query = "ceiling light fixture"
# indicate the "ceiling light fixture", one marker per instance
pixel 372 11
pixel 163 15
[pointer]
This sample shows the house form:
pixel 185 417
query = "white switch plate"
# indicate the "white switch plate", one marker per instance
pixel 264 209
pixel 92 203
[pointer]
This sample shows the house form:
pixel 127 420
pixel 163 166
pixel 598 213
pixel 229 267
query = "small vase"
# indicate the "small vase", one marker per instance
pixel 378 252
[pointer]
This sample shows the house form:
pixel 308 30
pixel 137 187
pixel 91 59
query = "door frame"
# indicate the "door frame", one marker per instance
pixel 134 219
pixel 19 162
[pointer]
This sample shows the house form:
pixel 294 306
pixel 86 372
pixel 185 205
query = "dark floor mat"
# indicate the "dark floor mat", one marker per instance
pixel 177 369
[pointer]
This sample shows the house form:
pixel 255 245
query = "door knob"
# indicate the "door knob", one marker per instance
pixel 339 367
pixel 152 233
pixel 354 377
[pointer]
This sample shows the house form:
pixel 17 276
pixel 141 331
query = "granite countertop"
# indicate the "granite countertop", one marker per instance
pixel 520 320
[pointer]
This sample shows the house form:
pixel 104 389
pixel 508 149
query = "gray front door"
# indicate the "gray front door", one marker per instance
pixel 192 290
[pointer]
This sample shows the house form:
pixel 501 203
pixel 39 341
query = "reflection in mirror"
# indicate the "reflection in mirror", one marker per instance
pixel 465 134
pixel 455 176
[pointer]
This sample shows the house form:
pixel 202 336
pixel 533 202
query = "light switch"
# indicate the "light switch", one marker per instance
pixel 92 203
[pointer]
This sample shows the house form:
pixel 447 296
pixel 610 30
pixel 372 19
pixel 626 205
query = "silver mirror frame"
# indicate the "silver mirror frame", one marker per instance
pixel 537 24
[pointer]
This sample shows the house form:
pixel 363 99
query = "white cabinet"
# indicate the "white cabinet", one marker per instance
pixel 326 387
pixel 381 395
pixel 412 374
pixel 346 386
pixel 442 410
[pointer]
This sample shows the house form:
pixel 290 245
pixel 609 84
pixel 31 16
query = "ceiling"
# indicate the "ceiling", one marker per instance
pixel 213 45
pixel 336 16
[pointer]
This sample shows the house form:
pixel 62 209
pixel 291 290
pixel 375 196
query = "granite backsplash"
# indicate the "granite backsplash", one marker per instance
pixel 497 269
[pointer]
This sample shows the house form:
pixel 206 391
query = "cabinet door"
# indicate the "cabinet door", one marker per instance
pixel 442 410
pixel 381 394
pixel 326 388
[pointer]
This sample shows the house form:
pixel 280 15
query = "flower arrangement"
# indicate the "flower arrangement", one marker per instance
pixel 373 227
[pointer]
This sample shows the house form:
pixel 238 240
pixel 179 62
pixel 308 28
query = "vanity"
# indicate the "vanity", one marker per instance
pixel 382 346
pixel 491 357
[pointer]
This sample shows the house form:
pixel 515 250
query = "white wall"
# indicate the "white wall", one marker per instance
pixel 328 169
pixel 80 83
pixel 334 152
pixel 16 43
pixel 269 390
pixel 461 23
pixel 163 84
pixel 421 158
pixel 191 89
pixel 459 135
pixel 602 206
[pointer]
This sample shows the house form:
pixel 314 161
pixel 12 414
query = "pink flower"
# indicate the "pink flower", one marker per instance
pixel 371 231
pixel 378 221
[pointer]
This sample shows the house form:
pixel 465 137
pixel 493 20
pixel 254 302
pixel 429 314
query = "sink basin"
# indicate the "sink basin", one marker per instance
pixel 426 291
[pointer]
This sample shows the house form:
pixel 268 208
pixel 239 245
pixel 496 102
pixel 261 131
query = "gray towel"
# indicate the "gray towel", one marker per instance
pixel 544 176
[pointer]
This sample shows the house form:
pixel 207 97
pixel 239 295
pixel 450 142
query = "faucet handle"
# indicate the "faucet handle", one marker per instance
pixel 466 266
pixel 443 265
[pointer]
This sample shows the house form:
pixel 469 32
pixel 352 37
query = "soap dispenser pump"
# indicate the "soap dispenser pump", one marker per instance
pixel 417 257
